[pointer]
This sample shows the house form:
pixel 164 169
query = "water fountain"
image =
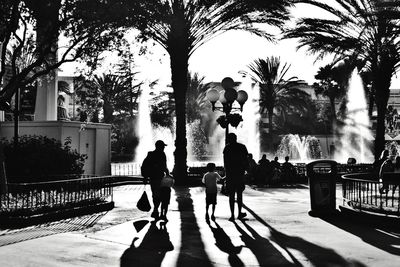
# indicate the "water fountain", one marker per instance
pixel 302 149
pixel 355 136
pixel 148 134
pixel 248 132
pixel 143 126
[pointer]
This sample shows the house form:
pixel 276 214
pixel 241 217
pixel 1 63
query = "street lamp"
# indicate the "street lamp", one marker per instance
pixel 227 97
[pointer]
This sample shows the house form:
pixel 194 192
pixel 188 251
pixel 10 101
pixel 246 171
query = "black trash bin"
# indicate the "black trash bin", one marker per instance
pixel 322 176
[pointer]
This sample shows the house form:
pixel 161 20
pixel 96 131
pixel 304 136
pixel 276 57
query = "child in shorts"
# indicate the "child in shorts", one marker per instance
pixel 165 195
pixel 210 180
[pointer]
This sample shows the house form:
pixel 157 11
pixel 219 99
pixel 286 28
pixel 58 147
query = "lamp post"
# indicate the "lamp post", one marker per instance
pixel 227 97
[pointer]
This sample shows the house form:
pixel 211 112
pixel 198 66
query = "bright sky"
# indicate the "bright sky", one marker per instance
pixel 232 52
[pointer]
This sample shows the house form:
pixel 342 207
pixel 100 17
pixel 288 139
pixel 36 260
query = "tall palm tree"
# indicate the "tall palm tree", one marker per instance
pixel 182 26
pixel 276 91
pixel 365 29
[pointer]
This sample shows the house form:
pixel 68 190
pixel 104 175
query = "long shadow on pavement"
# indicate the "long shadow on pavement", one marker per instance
pixel 262 248
pixel 316 255
pixel 224 243
pixel 151 251
pixel 156 242
pixel 384 237
pixel 192 252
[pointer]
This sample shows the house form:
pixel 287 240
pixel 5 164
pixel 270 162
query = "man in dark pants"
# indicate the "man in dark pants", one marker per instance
pixel 156 165
pixel 235 162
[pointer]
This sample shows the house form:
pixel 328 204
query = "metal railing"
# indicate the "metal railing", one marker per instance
pixel 130 168
pixel 364 192
pixel 33 198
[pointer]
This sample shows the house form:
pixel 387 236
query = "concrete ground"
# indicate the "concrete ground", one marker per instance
pixel 277 232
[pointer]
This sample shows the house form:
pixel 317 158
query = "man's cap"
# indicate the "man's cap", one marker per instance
pixel 160 143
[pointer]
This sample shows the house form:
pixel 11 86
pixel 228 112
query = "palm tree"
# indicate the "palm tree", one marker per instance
pixel 196 102
pixel 182 26
pixel 365 29
pixel 333 81
pixel 109 92
pixel 276 91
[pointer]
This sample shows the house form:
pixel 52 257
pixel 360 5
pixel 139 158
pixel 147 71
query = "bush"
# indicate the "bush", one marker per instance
pixel 39 158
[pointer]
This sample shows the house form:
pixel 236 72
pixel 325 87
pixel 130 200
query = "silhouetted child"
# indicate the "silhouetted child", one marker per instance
pixel 165 195
pixel 210 180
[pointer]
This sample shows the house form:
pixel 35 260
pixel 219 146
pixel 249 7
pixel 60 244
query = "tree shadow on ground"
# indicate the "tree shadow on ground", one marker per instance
pixel 12 236
pixel 316 255
pixel 379 235
pixel 224 243
pixel 156 242
pixel 151 251
pixel 192 251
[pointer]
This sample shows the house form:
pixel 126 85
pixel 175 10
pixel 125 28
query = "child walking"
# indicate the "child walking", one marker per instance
pixel 210 180
pixel 165 195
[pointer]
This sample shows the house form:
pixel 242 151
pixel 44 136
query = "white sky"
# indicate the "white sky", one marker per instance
pixel 230 53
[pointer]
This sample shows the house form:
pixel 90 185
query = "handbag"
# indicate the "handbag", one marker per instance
pixel 144 204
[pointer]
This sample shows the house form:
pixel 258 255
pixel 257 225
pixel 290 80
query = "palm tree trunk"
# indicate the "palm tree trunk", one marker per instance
pixel 333 107
pixel 179 69
pixel 381 100
pixel 108 112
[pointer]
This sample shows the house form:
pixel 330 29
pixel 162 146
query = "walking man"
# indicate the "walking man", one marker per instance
pixel 155 167
pixel 235 162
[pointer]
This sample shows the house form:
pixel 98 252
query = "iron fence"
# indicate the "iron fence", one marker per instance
pixel 32 198
pixel 365 192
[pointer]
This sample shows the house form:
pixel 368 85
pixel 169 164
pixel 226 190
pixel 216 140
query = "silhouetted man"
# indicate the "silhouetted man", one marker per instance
pixel 235 162
pixel 155 167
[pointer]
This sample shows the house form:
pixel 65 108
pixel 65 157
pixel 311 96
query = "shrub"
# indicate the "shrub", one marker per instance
pixel 39 158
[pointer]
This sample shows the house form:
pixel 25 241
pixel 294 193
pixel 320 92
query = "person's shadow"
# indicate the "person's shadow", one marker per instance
pixel 151 251
pixel 317 255
pixel 224 243
pixel 262 248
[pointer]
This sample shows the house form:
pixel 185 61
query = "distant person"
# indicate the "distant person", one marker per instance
pixel 154 167
pixel 396 169
pixel 276 170
pixel 235 162
pixel 332 149
pixel 165 195
pixel 264 170
pixel 275 163
pixel 378 163
pixel 251 174
pixel 288 170
pixel 62 114
pixel 210 180
pixel 387 166
pixel 396 166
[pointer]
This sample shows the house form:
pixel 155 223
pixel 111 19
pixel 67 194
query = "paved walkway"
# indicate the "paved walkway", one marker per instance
pixel 278 232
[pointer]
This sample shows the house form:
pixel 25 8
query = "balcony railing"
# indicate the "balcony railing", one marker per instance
pixel 364 192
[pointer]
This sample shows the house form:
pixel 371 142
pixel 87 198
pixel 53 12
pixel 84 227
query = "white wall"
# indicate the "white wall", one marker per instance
pixel 93 139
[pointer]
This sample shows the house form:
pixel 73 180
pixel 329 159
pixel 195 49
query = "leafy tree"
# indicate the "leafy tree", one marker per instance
pixel 363 29
pixel 276 91
pixel 47 18
pixel 181 27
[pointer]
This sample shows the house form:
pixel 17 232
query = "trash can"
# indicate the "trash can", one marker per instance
pixel 322 176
